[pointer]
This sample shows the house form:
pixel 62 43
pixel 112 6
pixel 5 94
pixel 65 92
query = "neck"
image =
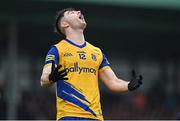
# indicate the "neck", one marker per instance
pixel 75 36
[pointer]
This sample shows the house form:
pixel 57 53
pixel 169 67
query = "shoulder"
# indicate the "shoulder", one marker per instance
pixel 52 50
pixel 94 47
pixel 60 43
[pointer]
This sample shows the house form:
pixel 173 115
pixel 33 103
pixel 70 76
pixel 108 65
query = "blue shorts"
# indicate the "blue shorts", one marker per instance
pixel 74 118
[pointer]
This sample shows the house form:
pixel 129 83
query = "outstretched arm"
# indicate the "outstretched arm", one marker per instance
pixel 112 82
pixel 118 85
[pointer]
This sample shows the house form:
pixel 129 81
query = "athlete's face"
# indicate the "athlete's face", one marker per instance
pixel 74 19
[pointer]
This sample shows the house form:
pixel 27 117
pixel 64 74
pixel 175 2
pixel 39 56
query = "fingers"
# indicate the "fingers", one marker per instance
pixel 63 71
pixel 135 82
pixel 63 75
pixel 140 82
pixel 65 78
pixel 53 66
pixel 140 77
pixel 133 74
pixel 58 67
pixel 56 73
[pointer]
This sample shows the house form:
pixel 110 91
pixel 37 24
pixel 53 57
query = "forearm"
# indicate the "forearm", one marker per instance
pixel 45 82
pixel 112 82
pixel 118 85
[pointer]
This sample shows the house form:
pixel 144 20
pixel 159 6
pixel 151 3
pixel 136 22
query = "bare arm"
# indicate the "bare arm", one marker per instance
pixel 45 82
pixel 112 82
pixel 52 74
pixel 119 85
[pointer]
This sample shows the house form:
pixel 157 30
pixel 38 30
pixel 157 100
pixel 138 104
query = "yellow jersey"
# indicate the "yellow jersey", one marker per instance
pixel 79 95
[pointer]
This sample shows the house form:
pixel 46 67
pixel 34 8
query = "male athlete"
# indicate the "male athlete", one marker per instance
pixel 75 66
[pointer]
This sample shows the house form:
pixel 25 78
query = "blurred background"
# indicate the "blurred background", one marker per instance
pixel 134 34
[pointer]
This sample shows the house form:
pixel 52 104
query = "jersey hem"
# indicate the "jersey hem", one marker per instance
pixel 59 118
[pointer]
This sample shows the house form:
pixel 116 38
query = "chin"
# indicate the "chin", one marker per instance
pixel 84 26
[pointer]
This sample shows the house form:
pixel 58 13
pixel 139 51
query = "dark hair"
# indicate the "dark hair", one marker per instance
pixel 59 16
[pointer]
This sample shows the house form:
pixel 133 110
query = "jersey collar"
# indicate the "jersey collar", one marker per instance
pixel 79 46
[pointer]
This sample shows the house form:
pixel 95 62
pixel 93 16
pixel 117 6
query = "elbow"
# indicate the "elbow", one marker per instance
pixel 112 88
pixel 44 83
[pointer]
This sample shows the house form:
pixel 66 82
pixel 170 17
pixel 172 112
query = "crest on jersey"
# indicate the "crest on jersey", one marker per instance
pixel 93 57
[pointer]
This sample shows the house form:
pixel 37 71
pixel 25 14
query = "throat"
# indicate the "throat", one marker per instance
pixel 76 38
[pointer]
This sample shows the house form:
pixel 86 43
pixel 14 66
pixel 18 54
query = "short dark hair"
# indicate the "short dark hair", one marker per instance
pixel 59 16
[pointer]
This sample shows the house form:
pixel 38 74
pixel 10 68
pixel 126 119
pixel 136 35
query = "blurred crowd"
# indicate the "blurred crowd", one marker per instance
pixel 3 105
pixel 134 105
pixel 153 106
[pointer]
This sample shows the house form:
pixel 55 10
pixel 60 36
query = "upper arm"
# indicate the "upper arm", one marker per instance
pixel 107 76
pixel 112 82
pixel 52 55
pixel 104 64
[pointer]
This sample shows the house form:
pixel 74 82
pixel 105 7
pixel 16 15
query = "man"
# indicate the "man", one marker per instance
pixel 76 65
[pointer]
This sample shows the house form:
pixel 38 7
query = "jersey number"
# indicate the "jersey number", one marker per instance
pixel 82 56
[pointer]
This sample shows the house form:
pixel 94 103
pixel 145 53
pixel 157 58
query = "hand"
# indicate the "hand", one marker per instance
pixel 56 75
pixel 135 82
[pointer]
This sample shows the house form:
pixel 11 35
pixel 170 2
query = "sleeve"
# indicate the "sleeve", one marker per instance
pixel 52 55
pixel 104 64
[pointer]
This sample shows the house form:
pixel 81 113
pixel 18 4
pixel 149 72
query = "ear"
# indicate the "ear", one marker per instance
pixel 64 24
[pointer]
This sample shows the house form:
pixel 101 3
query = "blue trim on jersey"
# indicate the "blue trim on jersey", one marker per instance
pixel 67 92
pixel 80 46
pixel 104 62
pixel 53 51
pixel 74 118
